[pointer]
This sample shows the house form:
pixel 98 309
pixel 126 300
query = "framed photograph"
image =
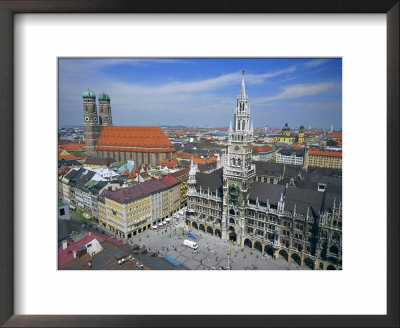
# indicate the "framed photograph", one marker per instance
pixel 106 109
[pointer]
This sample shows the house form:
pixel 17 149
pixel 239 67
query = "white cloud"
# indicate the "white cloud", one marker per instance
pixel 300 90
pixel 316 62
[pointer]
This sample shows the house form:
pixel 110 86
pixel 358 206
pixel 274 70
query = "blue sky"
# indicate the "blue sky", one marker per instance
pixel 203 92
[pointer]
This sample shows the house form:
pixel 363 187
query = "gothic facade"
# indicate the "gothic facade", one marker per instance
pixel 278 209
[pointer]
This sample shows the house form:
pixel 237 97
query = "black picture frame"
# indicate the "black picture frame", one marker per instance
pixel 7 10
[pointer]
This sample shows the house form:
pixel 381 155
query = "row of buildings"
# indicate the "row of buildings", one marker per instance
pixel 306 157
pixel 278 209
pixel 120 208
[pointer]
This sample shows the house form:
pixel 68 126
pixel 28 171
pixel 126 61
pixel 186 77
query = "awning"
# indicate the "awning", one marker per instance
pixel 167 220
pixel 154 227
pixel 160 224
pixel 164 222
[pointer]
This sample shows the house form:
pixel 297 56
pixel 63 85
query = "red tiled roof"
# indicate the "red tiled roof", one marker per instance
pixel 296 146
pixel 73 147
pixel 134 138
pixel 170 163
pixel 169 180
pixel 262 148
pixel 133 173
pixel 335 135
pixel 66 255
pixel 63 154
pixel 325 153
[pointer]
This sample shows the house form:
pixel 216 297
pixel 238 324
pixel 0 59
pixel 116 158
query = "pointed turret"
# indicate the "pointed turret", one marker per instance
pixel 242 95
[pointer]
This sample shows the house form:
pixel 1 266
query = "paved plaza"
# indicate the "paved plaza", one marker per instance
pixel 212 251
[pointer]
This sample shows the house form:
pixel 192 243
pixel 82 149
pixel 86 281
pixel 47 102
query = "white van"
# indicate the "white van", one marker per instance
pixel 190 244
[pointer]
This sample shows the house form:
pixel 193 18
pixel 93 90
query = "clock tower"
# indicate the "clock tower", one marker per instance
pixel 239 172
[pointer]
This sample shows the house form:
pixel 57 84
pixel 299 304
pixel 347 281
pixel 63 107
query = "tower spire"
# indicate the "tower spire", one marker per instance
pixel 242 95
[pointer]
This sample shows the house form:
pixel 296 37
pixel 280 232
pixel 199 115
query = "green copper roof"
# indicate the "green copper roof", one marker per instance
pixel 88 94
pixel 103 96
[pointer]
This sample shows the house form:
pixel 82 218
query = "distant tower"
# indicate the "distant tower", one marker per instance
pixel 105 117
pixel 301 134
pixel 306 154
pixel 331 128
pixel 286 130
pixel 91 127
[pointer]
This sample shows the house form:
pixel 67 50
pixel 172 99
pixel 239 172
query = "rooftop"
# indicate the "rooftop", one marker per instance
pixel 136 138
pixel 99 160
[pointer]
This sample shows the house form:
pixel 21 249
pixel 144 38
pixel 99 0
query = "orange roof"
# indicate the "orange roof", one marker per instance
pixel 262 148
pixel 63 154
pixel 73 147
pixel 134 138
pixel 169 163
pixel 204 160
pixel 296 146
pixel 133 173
pixel 186 155
pixel 325 153
pixel 334 135
pixel 138 150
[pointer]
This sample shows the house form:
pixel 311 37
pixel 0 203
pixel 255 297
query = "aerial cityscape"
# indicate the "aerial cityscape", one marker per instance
pixel 200 164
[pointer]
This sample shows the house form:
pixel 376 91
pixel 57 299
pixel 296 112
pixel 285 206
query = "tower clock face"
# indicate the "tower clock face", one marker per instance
pixel 236 147
pixel 86 118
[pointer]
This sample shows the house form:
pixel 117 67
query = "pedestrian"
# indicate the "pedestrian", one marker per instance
pixel 201 262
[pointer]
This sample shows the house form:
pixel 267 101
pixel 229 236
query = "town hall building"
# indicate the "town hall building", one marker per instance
pixel 278 209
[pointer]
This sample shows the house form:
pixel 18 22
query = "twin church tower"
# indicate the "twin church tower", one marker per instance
pixel 93 122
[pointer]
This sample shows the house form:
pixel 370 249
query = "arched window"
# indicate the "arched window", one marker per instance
pixel 243 124
pixel 239 162
pixel 238 125
pixel 335 236
pixel 233 161
pixel 233 194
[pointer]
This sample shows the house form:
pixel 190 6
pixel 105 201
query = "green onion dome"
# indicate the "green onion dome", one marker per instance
pixel 88 94
pixel 104 97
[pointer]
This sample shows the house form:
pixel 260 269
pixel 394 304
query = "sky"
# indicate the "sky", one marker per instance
pixel 203 91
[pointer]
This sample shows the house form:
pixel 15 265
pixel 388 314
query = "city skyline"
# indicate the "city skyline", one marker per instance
pixel 201 92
